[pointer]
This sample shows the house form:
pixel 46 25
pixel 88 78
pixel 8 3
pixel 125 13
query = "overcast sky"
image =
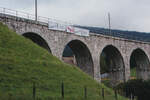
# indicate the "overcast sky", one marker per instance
pixel 125 14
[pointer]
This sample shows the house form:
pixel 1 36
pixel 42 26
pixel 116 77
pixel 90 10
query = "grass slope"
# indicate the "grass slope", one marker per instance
pixel 23 62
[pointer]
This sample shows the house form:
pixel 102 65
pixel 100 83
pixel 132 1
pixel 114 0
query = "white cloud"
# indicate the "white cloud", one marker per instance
pixel 125 14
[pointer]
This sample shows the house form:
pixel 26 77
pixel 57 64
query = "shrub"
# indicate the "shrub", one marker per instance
pixel 138 87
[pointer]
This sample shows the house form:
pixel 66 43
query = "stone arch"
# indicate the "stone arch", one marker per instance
pixel 140 61
pixel 38 40
pixel 114 68
pixel 82 56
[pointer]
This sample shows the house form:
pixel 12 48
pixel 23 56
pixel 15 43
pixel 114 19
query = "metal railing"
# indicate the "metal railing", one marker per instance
pixel 47 20
pixel 29 16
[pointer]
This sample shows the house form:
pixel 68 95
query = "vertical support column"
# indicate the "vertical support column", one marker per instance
pixel 96 62
pixel 126 58
pixel 127 67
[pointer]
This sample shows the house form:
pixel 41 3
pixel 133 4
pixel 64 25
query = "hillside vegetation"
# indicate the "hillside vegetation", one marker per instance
pixel 23 63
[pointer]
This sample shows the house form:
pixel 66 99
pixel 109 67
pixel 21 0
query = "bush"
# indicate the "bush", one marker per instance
pixel 138 87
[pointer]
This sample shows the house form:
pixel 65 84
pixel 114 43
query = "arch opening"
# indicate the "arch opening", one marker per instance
pixel 139 65
pixel 77 53
pixel 38 40
pixel 112 66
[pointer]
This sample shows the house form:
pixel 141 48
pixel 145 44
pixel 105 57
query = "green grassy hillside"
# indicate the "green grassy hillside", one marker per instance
pixel 23 63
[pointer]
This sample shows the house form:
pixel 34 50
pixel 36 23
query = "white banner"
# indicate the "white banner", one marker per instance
pixel 56 26
pixel 78 31
pixel 70 29
pixel 67 28
pixel 82 32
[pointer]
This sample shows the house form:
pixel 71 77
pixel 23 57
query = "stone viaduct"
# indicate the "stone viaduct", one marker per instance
pixel 120 52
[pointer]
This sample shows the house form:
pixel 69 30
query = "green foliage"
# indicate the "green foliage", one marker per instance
pixel 23 62
pixel 107 83
pixel 133 72
pixel 104 66
pixel 138 88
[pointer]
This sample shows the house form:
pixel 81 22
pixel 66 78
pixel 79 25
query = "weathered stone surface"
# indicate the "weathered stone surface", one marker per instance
pixel 57 41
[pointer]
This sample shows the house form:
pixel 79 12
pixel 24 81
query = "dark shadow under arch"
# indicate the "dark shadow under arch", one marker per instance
pixel 139 60
pixel 112 65
pixel 38 40
pixel 80 52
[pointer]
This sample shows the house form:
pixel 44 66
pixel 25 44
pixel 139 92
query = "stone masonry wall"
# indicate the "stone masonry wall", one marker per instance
pixel 57 41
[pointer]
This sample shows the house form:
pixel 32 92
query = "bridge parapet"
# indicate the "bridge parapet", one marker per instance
pixel 27 17
pixel 9 13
